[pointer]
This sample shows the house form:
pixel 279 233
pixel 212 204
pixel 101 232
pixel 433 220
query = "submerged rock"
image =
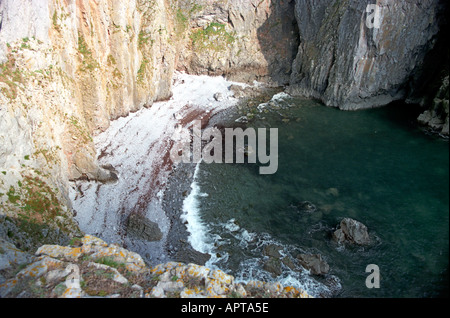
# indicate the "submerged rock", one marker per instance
pixel 272 250
pixel 273 266
pixel 307 206
pixel 352 231
pixel 189 255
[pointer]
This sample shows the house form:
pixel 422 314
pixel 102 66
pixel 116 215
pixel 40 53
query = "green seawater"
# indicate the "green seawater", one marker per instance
pixel 374 166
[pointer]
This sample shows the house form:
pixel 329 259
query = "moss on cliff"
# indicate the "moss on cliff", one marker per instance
pixel 214 37
pixel 87 60
pixel 11 76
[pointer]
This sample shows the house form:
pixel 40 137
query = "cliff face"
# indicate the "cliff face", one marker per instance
pixel 69 67
pixel 244 40
pixel 101 60
pixel 346 63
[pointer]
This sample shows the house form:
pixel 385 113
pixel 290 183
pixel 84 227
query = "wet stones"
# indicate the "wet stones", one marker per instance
pixel 272 250
pixel 314 263
pixel 348 231
pixel 188 255
pixel 275 262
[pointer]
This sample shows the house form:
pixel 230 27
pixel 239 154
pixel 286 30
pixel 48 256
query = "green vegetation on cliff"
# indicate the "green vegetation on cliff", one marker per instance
pixel 214 37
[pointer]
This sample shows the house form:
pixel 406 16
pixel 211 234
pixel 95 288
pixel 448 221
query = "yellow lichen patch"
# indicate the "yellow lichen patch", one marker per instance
pixel 75 252
pixel 157 270
pixel 71 293
pixel 217 296
pixel 92 240
pixel 52 263
pixel 289 289
pixel 7 286
pixel 222 277
pixel 196 271
pixel 188 293
pixel 133 267
pixel 60 251
pixel 255 284
pixel 33 270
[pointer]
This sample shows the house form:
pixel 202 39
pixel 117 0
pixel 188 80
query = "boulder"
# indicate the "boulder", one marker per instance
pixel 351 231
pixel 143 228
pixel 189 255
pixel 11 256
pixel 273 266
pixel 314 263
pixel 272 250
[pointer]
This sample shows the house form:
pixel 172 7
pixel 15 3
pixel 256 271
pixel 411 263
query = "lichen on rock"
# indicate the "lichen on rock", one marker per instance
pixel 92 268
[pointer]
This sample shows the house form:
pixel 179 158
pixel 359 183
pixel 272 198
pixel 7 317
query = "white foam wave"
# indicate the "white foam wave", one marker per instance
pixel 253 268
pixel 198 230
pixel 231 226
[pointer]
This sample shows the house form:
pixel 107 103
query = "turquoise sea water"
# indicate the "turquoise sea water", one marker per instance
pixel 374 166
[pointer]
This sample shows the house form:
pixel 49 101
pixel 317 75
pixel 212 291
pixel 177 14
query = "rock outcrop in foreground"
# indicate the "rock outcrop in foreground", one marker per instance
pixel 92 268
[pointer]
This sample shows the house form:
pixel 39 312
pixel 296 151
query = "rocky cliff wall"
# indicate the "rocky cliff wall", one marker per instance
pixel 101 60
pixel 244 40
pixel 348 63
pixel 67 69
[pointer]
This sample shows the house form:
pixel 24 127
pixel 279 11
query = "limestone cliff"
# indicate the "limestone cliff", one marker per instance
pixel 244 40
pixel 98 60
pixel 68 68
